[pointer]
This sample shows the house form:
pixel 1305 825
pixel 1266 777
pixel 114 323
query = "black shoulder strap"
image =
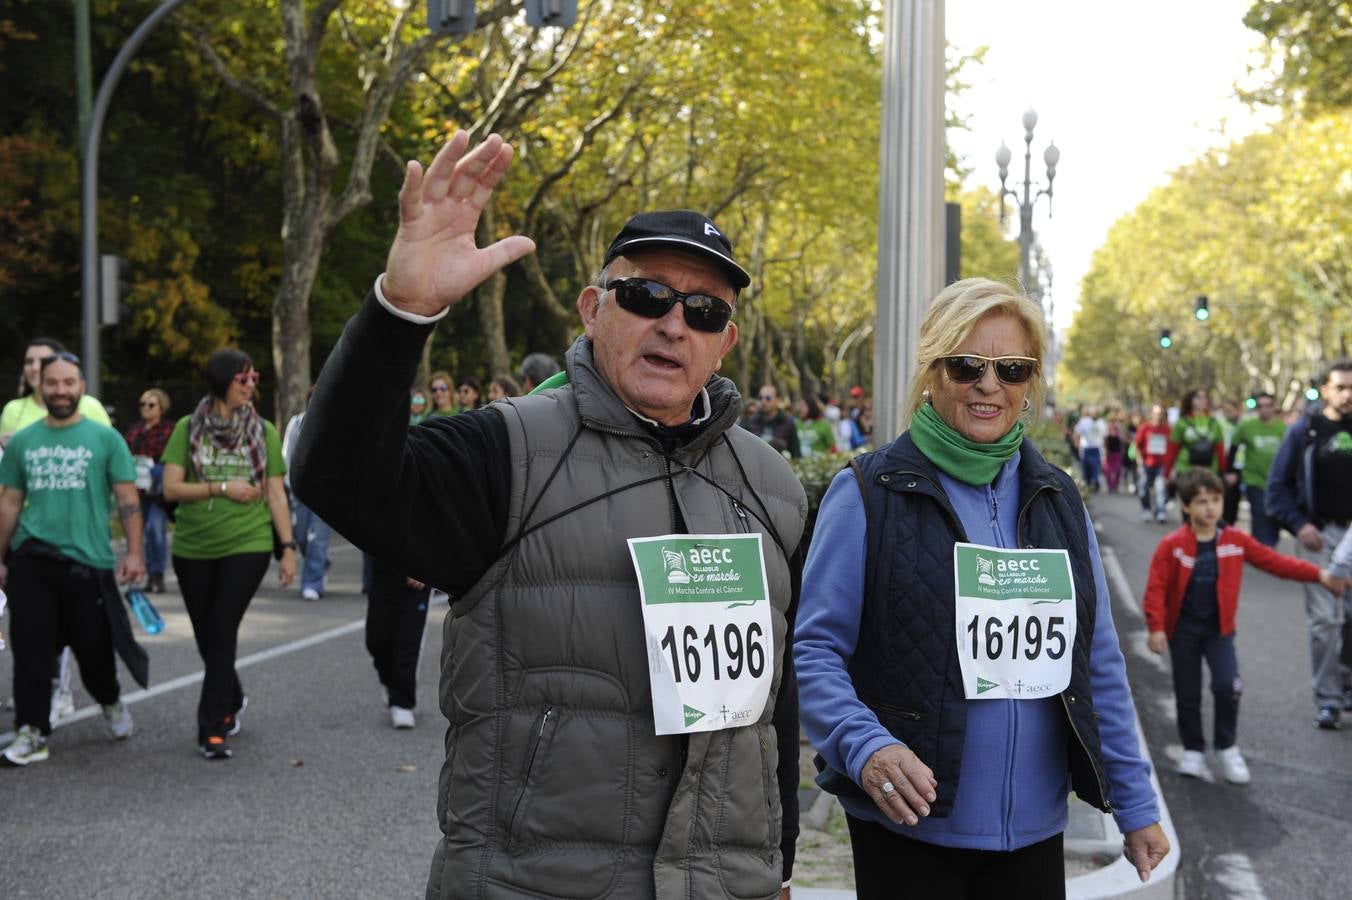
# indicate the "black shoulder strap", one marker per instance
pixel 863 487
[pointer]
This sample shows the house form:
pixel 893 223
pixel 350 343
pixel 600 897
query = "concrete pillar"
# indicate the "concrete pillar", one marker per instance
pixel 911 199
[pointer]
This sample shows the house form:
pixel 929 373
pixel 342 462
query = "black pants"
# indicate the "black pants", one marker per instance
pixel 54 604
pixel 216 593
pixel 1230 503
pixel 888 865
pixel 396 615
pixel 1190 644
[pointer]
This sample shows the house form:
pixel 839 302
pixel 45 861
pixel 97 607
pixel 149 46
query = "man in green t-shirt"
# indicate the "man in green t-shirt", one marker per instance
pixel 1255 445
pixel 56 562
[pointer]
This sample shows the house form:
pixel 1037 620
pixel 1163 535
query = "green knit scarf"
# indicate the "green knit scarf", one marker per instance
pixel 968 461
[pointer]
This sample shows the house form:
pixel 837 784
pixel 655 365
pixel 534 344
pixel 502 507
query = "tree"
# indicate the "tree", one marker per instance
pixel 1310 45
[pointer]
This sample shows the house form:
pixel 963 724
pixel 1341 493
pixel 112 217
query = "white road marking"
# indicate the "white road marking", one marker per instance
pixel 196 677
pixel 1234 872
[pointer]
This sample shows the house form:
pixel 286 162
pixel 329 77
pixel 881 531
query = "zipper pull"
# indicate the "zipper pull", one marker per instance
pixel 737 508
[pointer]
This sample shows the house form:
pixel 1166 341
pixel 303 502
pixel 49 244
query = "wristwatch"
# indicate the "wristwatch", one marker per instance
pixel 289 545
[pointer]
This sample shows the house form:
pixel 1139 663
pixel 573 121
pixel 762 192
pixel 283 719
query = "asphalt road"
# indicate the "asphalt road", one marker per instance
pixel 322 798
pixel 1288 834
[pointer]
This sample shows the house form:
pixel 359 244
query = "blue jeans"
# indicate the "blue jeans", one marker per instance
pixel 1090 459
pixel 1264 528
pixel 312 537
pixel 153 536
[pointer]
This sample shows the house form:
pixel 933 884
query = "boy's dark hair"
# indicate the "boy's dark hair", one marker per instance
pixel 1194 481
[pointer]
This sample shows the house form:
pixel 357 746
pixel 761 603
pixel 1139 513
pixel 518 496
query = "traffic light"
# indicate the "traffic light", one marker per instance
pixel 1166 338
pixel 1199 308
pixel 450 16
pixel 1312 392
pixel 551 13
pixel 1251 403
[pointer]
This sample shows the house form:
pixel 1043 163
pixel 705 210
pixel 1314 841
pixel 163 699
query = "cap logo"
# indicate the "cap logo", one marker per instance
pixel 710 229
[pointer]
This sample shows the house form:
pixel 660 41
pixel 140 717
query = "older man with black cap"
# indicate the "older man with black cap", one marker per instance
pixel 622 560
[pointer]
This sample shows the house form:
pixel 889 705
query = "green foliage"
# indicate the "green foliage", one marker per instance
pixel 816 473
pixel 1261 227
pixel 1309 43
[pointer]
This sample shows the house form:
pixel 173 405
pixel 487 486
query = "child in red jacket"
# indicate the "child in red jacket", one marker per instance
pixel 1190 600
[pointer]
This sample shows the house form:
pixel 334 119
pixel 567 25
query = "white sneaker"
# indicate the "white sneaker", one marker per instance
pixel 1193 765
pixel 1161 517
pixel 401 718
pixel 63 704
pixel 1233 765
pixel 117 720
pixel 29 746
pixel 1145 515
pixel 309 594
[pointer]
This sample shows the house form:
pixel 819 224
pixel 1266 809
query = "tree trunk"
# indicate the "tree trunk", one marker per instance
pixel 489 300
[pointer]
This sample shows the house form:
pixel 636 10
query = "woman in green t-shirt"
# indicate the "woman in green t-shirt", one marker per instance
pixel 223 465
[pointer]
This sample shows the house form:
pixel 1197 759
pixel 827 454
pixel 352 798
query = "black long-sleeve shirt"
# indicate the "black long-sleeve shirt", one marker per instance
pixel 432 501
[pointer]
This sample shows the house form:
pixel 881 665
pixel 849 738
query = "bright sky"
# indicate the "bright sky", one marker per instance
pixel 1128 91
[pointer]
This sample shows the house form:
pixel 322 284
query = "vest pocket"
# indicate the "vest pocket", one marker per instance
pixel 541 729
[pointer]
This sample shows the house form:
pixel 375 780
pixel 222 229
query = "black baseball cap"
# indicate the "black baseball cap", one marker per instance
pixel 679 229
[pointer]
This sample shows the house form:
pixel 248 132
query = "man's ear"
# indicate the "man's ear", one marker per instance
pixel 588 305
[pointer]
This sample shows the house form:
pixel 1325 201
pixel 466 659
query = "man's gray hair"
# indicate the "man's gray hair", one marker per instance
pixel 536 367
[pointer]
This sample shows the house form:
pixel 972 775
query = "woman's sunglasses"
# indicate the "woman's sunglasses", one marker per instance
pixel 653 299
pixel 968 368
pixel 249 377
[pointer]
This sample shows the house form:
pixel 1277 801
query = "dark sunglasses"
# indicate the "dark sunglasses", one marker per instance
pixel 146 403
pixel 969 368
pixel 440 388
pixel 250 377
pixel 653 299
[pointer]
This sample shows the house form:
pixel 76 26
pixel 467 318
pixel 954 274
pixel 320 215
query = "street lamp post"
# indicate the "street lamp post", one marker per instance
pixel 1051 156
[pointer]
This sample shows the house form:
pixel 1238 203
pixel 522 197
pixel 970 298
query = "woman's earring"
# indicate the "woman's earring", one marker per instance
pixel 1026 405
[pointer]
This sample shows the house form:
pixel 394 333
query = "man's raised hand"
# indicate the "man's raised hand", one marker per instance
pixel 434 261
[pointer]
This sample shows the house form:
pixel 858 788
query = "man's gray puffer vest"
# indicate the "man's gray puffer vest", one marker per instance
pixel 555 784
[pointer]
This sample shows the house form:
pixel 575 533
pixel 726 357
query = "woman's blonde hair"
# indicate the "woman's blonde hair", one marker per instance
pixel 951 318
pixel 160 397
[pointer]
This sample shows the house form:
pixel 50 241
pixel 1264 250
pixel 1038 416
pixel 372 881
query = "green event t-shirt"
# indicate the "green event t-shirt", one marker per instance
pixel 218 526
pixel 67 476
pixel 816 437
pixel 25 411
pixel 1202 439
pixel 1260 441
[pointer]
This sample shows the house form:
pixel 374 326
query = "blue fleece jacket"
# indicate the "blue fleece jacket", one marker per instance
pixel 1014 776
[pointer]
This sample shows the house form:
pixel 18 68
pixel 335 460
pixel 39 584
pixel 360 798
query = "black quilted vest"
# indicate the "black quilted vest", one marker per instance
pixel 905 667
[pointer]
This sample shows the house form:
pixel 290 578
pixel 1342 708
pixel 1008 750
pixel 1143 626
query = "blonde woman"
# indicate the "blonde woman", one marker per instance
pixel 951 725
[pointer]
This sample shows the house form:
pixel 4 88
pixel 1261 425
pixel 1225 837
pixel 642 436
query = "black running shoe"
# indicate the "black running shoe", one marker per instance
pixel 215 747
pixel 1330 718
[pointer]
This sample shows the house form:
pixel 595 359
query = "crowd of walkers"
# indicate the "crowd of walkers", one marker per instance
pixel 583 518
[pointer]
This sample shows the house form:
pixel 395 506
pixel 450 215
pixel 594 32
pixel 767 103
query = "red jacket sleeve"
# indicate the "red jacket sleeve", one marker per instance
pixel 1272 562
pixel 1156 586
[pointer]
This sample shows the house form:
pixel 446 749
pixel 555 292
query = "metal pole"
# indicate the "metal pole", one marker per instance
pixel 89 193
pixel 1026 214
pixel 84 78
pixel 910 198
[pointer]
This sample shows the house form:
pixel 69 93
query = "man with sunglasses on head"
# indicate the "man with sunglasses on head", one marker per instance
pixel 563 526
pixel 57 562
